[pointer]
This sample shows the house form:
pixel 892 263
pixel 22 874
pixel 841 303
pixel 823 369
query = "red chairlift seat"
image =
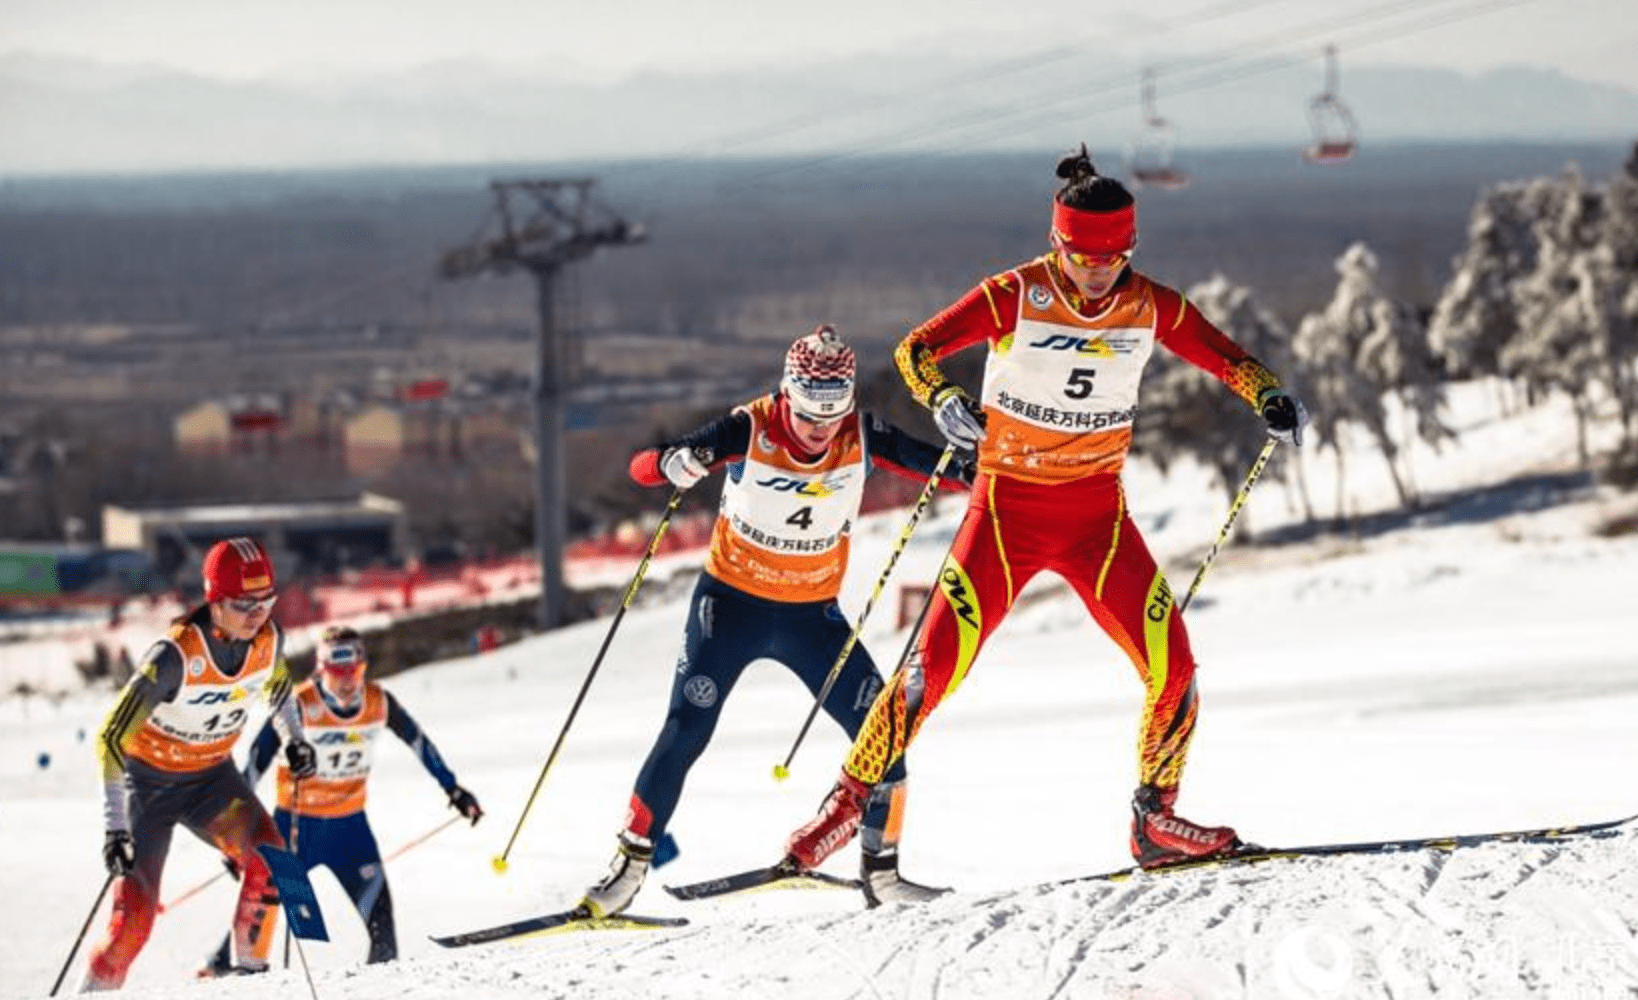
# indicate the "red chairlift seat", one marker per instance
pixel 1328 152
pixel 1335 132
pixel 1150 159
pixel 1165 178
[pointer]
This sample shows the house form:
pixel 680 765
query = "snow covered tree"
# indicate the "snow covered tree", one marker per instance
pixel 1475 316
pixel 1578 329
pixel 1186 413
pixel 1359 350
pixel 1618 278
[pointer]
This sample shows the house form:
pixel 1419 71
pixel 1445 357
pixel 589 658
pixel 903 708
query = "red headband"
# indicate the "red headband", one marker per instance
pixel 1095 232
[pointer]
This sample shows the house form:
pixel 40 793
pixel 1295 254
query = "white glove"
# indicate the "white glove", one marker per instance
pixel 960 417
pixel 682 467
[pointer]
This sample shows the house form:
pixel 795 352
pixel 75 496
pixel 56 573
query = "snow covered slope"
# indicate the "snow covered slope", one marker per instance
pixel 1466 669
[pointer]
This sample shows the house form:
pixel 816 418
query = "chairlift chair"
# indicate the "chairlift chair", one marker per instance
pixel 1150 159
pixel 1335 132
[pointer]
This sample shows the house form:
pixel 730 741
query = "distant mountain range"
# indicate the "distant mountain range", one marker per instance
pixel 62 116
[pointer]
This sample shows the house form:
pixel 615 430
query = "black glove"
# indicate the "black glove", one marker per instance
pixel 1284 414
pixel 302 758
pixel 465 804
pixel 118 854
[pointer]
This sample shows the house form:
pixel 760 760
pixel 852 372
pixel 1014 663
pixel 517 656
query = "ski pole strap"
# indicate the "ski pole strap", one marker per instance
pixel 1228 522
pixel 782 771
pixel 499 862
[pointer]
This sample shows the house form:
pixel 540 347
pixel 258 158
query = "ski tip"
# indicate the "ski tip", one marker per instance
pixel 499 864
pixel 781 772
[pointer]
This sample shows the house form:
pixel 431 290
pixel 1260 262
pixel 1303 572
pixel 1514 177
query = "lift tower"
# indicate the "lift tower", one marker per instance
pixel 545 225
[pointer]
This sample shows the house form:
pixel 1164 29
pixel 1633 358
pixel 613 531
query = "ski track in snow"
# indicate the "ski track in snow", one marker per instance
pixel 1493 922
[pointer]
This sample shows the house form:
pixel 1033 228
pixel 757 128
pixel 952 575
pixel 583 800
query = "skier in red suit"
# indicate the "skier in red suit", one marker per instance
pixel 1068 336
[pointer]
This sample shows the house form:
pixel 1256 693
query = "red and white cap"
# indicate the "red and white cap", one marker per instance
pixel 235 567
pixel 819 374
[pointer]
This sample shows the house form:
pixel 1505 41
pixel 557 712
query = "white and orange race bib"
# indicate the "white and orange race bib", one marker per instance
pixel 198 728
pixel 346 753
pixel 782 532
pixel 1061 390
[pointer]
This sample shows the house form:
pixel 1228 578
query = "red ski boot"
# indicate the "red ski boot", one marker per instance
pixel 837 822
pixel 1160 837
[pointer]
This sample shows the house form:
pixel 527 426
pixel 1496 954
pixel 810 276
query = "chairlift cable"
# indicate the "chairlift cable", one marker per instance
pixel 875 104
pixel 1183 81
pixel 991 112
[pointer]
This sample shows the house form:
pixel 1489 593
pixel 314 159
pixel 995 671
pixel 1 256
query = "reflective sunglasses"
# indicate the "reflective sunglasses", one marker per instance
pixel 343 658
pixel 1094 259
pixel 817 422
pixel 251 605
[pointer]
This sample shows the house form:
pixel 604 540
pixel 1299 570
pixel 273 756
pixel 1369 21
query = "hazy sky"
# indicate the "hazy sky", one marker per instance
pixel 1592 39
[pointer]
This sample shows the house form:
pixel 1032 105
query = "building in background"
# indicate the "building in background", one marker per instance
pixel 374 429
pixel 304 537
pixel 242 425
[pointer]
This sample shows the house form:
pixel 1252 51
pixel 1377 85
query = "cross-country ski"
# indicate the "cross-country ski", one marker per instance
pixel 780 876
pixel 577 919
pixel 1252 855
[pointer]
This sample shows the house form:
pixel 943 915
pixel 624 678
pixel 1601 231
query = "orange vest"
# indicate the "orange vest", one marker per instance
pixel 346 751
pixel 198 728
pixel 1061 390
pixel 782 533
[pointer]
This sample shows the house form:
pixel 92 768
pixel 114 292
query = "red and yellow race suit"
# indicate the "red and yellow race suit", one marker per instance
pixel 1060 397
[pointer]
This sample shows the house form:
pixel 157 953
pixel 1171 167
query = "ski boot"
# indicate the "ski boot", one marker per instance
pixel 838 820
pixel 884 884
pixel 214 971
pixel 1160 837
pixel 219 964
pixel 626 873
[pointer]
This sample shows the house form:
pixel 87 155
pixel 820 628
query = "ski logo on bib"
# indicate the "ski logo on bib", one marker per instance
pixel 805 487
pixel 218 697
pixel 1087 347
pixel 338 736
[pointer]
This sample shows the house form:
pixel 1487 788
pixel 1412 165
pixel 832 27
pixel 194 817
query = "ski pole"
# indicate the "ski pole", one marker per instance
pixel 782 771
pixel 423 838
pixel 81 937
pixel 921 616
pixel 196 890
pixel 295 818
pixel 499 862
pixel 1228 523
pixel 301 953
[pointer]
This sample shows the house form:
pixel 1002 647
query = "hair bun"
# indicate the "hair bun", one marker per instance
pixel 1077 165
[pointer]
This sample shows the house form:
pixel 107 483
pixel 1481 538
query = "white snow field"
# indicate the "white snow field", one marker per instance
pixel 1466 669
